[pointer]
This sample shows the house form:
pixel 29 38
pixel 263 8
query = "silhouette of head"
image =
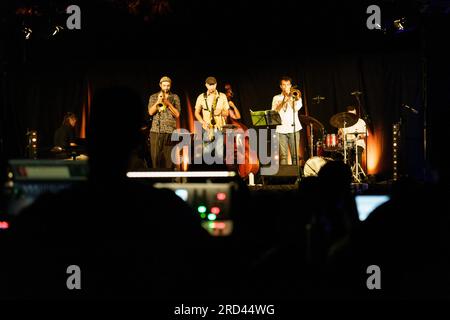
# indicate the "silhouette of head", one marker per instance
pixel 113 131
pixel 335 177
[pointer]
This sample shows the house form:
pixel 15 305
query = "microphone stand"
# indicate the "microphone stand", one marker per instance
pixel 365 116
pixel 318 98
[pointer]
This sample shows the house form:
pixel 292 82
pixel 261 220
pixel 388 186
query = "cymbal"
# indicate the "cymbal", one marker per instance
pixel 308 120
pixel 344 118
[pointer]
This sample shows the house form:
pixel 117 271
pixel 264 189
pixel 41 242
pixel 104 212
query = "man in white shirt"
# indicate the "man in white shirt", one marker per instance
pixel 360 129
pixel 288 103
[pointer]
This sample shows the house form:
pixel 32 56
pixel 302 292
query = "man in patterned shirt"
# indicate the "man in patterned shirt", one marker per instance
pixel 165 108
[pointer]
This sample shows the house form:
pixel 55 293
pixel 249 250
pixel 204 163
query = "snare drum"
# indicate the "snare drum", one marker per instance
pixel 331 140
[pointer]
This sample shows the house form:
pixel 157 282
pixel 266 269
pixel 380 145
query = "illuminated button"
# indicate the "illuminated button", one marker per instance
pixel 4 225
pixel 201 209
pixel 203 215
pixel 215 210
pixel 211 216
pixel 221 196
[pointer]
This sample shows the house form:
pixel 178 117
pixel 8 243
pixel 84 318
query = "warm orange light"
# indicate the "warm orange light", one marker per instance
pixel 85 112
pixel 373 152
pixel 190 114
pixel 185 158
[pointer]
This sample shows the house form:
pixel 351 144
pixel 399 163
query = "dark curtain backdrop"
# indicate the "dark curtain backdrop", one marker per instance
pixel 36 98
pixel 37 95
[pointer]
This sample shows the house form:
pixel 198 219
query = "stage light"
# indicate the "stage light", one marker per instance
pixel 395 148
pixel 56 30
pixel 399 24
pixel 27 32
pixel 32 144
pixel 181 174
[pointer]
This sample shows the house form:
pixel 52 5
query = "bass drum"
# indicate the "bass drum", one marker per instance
pixel 313 166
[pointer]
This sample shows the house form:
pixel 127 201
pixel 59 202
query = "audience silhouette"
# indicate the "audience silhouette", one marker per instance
pixel 129 239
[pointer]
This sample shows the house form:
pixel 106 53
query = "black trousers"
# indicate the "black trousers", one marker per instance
pixel 161 150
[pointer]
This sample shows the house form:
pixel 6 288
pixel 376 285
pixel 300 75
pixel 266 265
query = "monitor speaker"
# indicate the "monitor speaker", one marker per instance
pixel 287 174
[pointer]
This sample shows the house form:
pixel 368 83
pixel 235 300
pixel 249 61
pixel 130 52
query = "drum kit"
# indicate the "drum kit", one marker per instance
pixel 332 146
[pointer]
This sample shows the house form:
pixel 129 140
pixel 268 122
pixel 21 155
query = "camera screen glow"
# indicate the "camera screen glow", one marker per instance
pixel 182 193
pixel 367 203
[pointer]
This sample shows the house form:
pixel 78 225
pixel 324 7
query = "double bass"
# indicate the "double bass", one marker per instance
pixel 251 162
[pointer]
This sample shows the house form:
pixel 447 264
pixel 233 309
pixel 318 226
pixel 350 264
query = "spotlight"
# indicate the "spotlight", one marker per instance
pixel 395 150
pixel 56 30
pixel 403 25
pixel 32 149
pixel 399 24
pixel 27 32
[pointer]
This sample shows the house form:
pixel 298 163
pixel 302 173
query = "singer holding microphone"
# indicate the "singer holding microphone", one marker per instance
pixel 164 106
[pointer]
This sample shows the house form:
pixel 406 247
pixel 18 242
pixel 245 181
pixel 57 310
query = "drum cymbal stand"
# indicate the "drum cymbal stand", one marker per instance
pixel 356 168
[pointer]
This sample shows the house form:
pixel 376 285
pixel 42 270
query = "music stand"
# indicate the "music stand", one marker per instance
pixel 266 118
pixel 258 118
pixel 273 118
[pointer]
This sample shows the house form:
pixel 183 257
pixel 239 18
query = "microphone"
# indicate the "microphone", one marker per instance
pixel 356 93
pixel 318 99
pixel 409 108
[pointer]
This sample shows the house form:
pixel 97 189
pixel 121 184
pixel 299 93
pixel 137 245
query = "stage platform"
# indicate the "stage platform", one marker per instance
pixel 357 188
